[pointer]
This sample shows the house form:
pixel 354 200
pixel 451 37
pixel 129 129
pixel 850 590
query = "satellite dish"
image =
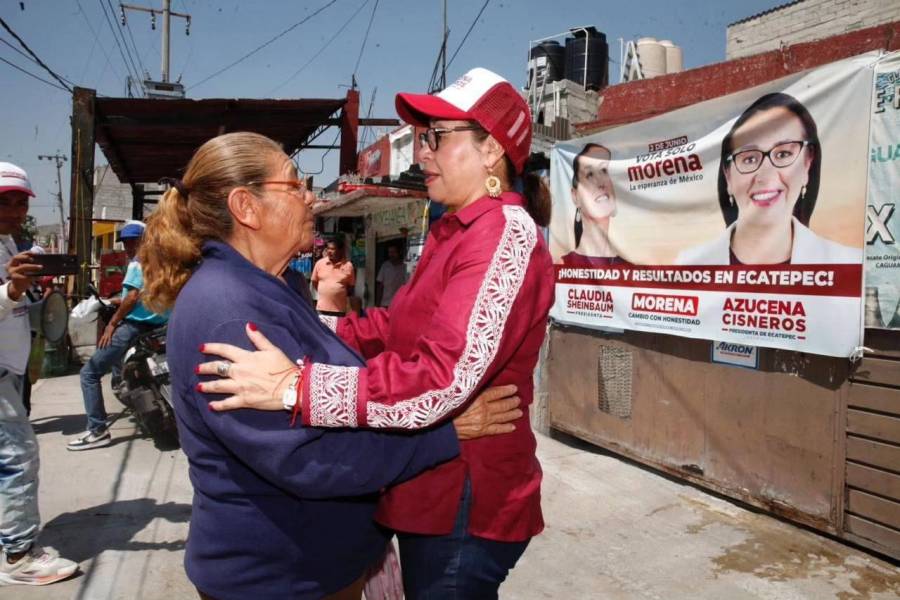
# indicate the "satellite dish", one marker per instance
pixel 50 317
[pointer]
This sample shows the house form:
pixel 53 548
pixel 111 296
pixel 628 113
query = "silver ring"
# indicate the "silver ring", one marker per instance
pixel 222 368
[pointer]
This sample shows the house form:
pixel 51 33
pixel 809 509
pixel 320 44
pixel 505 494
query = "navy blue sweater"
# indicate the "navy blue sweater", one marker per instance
pixel 278 512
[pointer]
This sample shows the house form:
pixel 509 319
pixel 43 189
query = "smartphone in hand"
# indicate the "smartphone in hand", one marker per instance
pixel 55 264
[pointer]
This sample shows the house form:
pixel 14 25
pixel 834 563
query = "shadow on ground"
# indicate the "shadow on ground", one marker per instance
pixel 83 534
pixel 64 424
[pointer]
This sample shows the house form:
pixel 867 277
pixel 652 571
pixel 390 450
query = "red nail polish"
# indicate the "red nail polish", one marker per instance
pixel 199 387
pixel 210 407
pixel 202 347
pixel 196 369
pixel 252 326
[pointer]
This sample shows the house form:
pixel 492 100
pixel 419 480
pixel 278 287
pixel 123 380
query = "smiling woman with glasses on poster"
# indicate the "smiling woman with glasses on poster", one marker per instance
pixel 768 186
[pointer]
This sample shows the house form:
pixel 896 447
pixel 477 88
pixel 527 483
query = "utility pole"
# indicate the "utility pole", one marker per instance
pixel 60 159
pixel 444 51
pixel 166 15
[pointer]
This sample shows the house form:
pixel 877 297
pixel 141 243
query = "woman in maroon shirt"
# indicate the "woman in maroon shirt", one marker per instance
pixel 472 316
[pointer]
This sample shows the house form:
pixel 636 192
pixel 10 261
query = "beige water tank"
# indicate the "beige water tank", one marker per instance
pixel 653 57
pixel 674 57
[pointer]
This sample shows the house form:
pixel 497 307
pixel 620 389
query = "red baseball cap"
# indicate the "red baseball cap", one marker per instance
pixel 481 96
pixel 13 178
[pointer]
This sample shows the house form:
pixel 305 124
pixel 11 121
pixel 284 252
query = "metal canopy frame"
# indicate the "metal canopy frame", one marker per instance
pixel 147 139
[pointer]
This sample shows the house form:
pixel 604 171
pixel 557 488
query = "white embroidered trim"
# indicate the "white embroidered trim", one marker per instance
pixel 329 321
pixel 499 289
pixel 332 395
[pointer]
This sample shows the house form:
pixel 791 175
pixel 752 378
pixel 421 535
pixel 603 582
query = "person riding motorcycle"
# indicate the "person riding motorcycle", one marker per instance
pixel 129 321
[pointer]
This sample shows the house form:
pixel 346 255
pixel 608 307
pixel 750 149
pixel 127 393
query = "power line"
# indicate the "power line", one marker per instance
pixel 66 79
pixel 29 50
pixel 437 63
pixel 136 51
pixel 263 45
pixel 471 27
pixel 365 39
pixel 324 154
pixel 322 49
pixel 112 16
pixel 30 74
pixel 116 39
pixel 18 51
pixel 97 39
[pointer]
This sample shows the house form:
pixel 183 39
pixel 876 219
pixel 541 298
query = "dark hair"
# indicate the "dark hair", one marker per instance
pixel 537 198
pixel 579 226
pixel 804 208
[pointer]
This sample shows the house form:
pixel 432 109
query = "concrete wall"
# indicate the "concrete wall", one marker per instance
pixel 805 21
pixel 566 100
pixel 112 199
pixel 769 436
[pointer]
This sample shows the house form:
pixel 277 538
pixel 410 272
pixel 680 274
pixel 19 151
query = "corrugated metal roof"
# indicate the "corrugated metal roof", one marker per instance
pixel 765 12
pixel 146 139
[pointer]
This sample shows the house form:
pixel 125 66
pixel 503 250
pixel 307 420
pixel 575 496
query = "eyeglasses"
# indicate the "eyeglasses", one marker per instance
pixel 432 136
pixel 781 156
pixel 297 186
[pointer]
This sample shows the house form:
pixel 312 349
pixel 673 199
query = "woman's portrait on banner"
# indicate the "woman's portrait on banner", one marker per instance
pixel 595 202
pixel 768 185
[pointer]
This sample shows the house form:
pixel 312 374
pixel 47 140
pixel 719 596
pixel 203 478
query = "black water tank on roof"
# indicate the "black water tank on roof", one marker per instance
pixel 553 65
pixel 594 46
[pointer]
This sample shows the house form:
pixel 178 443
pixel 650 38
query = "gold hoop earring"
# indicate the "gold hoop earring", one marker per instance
pixel 492 184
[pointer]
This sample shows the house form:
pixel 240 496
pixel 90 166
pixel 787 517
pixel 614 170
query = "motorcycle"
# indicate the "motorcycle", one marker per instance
pixel 142 383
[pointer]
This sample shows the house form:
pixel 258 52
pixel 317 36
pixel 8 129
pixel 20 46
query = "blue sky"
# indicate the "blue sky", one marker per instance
pixel 74 38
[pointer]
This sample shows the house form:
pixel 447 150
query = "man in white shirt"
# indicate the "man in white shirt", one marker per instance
pixel 22 560
pixel 391 277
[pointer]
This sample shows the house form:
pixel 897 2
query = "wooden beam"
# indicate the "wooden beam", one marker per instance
pixel 349 133
pixel 214 121
pixel 373 122
pixel 81 194
pixel 137 202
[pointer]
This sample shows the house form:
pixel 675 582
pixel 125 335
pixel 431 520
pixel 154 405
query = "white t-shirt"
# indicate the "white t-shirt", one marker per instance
pixel 391 277
pixel 15 333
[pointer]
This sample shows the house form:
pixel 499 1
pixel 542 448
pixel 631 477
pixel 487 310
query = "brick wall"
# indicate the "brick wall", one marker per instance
pixel 642 99
pixel 805 21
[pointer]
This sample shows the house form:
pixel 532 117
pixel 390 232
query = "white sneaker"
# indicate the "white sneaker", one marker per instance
pixel 37 567
pixel 89 440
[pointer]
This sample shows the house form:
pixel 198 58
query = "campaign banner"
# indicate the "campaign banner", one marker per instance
pixel 740 219
pixel 883 220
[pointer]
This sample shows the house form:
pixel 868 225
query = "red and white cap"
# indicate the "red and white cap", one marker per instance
pixel 13 178
pixel 481 96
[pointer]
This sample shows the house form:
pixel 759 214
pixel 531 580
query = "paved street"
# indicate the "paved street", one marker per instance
pixel 614 531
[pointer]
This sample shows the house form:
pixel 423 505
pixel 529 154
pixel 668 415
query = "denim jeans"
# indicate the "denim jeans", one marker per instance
pixel 457 566
pixel 19 463
pixel 102 362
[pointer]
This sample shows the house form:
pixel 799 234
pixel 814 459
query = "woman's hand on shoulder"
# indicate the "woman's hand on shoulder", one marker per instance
pixel 250 379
